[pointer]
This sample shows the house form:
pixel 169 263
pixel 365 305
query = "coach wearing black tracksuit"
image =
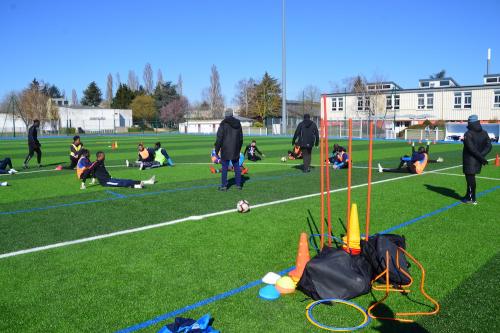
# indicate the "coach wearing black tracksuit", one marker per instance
pixel 33 144
pixel 228 144
pixel 477 145
pixel 306 136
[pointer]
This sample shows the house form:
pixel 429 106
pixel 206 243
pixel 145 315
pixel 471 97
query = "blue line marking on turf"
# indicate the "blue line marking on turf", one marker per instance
pixel 206 301
pixel 118 196
pixel 231 292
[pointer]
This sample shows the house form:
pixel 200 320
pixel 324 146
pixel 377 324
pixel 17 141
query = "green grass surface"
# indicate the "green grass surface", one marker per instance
pixel 113 283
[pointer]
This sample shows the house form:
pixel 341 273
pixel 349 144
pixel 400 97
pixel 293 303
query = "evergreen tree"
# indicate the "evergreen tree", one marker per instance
pixel 124 96
pixel 92 96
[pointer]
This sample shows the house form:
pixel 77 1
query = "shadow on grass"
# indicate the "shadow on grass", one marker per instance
pixel 447 192
pixel 232 181
pixel 393 326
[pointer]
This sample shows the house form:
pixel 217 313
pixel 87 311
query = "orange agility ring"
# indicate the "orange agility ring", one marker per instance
pixel 310 307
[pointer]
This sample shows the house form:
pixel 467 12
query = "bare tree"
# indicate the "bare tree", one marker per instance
pixel 147 76
pixel 310 97
pixel 178 87
pixel 33 104
pixel 244 95
pixel 216 100
pixel 118 80
pixel 109 89
pixel 74 97
pixel 159 77
pixel 133 81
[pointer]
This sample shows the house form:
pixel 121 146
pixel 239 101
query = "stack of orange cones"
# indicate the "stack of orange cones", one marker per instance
pixel 352 244
pixel 302 258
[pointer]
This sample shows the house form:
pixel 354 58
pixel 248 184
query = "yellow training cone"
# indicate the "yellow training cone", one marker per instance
pixel 353 246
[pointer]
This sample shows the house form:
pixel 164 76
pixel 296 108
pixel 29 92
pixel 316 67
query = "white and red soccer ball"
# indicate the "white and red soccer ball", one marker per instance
pixel 243 206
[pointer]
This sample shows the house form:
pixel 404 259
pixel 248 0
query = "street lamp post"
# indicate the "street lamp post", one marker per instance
pixel 283 72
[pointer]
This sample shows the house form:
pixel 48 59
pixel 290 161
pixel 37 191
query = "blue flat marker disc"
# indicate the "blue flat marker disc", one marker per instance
pixel 269 293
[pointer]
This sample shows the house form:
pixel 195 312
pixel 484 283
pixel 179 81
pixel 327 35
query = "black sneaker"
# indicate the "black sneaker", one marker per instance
pixel 223 188
pixel 469 202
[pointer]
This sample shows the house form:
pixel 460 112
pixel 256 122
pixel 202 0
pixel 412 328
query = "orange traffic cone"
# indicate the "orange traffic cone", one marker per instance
pixel 354 245
pixel 302 258
pixel 497 161
pixel 113 145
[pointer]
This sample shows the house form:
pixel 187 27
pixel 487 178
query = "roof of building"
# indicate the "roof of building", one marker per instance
pixel 491 75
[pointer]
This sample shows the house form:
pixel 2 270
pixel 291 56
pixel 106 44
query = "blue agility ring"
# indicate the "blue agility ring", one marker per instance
pixel 310 307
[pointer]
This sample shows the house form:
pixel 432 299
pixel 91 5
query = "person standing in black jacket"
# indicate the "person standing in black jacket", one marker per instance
pixel 33 144
pixel 477 145
pixel 306 136
pixel 228 146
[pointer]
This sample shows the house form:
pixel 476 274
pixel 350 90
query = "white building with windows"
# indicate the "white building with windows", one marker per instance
pixel 434 99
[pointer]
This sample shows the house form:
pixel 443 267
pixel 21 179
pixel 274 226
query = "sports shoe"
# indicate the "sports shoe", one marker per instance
pixel 380 169
pixel 92 182
pixel 440 160
pixel 150 181
pixel 244 171
pixel 127 163
pixel 212 169
pixel 141 185
pixel 469 202
pixel 12 171
pixel 141 166
pixel 4 184
pixel 82 186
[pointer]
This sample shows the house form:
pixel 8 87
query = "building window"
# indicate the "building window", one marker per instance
pixel 396 102
pixel 496 102
pixel 424 84
pixel 367 103
pixel 334 104
pixel 491 80
pixel 421 101
pixel 458 100
pixel 467 100
pixel 337 103
pixel 444 83
pixel 341 103
pixel 360 103
pixel 430 101
pixel 388 102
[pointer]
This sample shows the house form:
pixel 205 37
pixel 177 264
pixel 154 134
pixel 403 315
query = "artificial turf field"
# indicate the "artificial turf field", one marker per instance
pixel 126 281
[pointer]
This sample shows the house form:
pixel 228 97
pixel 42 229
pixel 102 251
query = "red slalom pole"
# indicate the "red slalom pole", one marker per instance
pixel 369 189
pixel 349 176
pixel 328 207
pixel 322 184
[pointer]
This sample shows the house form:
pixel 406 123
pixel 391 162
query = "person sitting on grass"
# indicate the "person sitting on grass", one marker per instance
pixel 341 160
pixel 161 157
pixel 145 157
pixel 336 150
pixel 295 154
pixel 99 170
pixel 215 158
pixel 414 164
pixel 75 151
pixel 251 152
pixel 83 171
pixel 4 164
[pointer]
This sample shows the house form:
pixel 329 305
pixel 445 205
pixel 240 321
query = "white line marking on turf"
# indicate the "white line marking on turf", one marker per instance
pixel 458 175
pixel 198 217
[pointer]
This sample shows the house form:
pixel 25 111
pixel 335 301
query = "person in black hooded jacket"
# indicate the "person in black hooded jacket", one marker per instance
pixel 306 136
pixel 477 145
pixel 33 144
pixel 228 145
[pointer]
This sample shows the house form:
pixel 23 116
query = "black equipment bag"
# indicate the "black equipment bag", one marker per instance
pixel 375 251
pixel 333 273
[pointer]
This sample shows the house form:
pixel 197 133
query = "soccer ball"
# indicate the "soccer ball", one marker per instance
pixel 243 206
pixel 283 159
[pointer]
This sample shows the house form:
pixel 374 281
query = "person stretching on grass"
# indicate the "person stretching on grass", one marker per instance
pixel 145 159
pixel 104 178
pixel 33 144
pixel 414 164
pixel 295 154
pixel 75 151
pixel 4 164
pixel 251 152
pixel 83 171
pixel 341 159
pixel 214 157
pixel 162 157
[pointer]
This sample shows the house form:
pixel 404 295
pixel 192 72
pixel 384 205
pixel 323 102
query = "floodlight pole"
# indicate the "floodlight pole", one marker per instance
pixel 283 72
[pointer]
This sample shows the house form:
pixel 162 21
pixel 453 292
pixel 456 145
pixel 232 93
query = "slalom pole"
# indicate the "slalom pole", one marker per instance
pixel 349 176
pixel 327 163
pixel 322 180
pixel 369 189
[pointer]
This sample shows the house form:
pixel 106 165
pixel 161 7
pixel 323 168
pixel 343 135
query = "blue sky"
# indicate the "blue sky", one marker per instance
pixel 70 43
